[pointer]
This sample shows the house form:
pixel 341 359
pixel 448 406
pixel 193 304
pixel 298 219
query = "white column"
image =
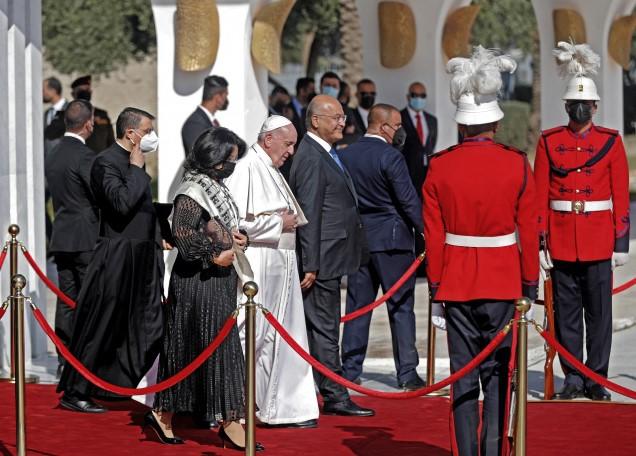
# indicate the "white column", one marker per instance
pixel 21 155
pixel 428 64
pixel 598 17
pixel 179 92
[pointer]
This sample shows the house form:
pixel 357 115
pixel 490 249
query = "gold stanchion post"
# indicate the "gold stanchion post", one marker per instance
pixel 250 289
pixel 430 353
pixel 523 306
pixel 18 282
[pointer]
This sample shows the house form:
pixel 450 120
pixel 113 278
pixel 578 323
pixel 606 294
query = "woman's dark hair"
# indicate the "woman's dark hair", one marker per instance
pixel 212 147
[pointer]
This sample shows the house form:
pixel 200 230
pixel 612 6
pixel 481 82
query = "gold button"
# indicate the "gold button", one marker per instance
pixel 578 148
pixel 578 170
pixel 576 191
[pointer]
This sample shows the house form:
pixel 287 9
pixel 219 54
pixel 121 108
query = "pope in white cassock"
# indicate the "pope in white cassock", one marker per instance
pixel 285 393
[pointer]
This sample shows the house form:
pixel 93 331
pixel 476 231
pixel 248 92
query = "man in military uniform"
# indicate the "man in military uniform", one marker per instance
pixel 479 196
pixel 582 182
pixel 102 137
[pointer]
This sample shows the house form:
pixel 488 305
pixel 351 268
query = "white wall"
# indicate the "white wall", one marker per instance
pixel 21 155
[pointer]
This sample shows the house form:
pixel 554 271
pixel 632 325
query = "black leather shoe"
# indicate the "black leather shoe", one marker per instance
pixel 151 420
pixel 229 443
pixel 205 424
pixel 81 404
pixel 568 392
pixel 597 393
pixel 413 385
pixel 298 425
pixel 345 408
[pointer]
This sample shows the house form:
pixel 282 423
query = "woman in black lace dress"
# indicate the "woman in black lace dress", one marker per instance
pixel 202 295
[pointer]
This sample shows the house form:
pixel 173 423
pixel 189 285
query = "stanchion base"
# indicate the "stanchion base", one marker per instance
pixel 442 392
pixel 27 379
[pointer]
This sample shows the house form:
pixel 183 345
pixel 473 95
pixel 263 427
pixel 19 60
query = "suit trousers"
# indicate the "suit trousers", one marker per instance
pixel 322 315
pixel 471 326
pixel 71 267
pixel 583 292
pixel 383 270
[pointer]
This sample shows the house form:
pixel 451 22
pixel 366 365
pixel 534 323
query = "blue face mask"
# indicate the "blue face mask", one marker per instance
pixel 331 91
pixel 417 103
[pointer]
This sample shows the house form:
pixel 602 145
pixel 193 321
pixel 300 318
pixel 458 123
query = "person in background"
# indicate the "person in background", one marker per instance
pixel 280 103
pixel 344 96
pixel 52 94
pixel 76 225
pixel 391 215
pixel 366 95
pixel 214 98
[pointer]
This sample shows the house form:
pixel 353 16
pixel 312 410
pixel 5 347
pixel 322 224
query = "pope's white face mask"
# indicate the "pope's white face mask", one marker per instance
pixel 149 142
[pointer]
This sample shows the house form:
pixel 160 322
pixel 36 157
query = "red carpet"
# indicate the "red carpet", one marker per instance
pixel 404 428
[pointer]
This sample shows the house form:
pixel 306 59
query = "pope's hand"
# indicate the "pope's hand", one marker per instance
pixel 290 221
pixel 438 316
pixel 546 263
pixel 619 259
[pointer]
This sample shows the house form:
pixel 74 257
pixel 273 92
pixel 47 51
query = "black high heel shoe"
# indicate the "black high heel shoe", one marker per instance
pixel 151 420
pixel 229 443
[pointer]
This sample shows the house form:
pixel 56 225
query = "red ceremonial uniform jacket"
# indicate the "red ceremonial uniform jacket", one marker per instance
pixel 585 236
pixel 481 188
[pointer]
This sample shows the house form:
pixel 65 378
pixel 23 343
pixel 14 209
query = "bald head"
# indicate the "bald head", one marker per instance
pixel 325 118
pixel 380 114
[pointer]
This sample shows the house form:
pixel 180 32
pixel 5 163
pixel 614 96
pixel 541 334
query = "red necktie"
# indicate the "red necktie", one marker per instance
pixel 419 127
pixel 215 123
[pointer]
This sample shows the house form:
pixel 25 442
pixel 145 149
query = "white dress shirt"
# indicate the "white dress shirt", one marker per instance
pixel 365 116
pixel 368 135
pixel 73 135
pixel 213 120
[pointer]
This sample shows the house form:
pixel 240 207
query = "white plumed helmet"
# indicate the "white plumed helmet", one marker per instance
pixel 474 85
pixel 576 62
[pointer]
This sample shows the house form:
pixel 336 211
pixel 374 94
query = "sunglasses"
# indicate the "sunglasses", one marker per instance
pixel 417 95
pixel 367 93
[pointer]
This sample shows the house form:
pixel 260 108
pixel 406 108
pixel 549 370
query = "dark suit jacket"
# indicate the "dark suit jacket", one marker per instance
pixel 333 241
pixel 414 151
pixel 389 206
pixel 101 138
pixel 76 222
pixel 194 125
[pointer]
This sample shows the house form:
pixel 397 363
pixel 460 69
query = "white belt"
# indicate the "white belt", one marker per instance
pixel 481 241
pixel 579 207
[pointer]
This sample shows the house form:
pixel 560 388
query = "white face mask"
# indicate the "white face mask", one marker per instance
pixel 149 142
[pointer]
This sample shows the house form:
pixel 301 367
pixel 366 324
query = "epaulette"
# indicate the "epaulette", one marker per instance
pixel 444 152
pixel 512 149
pixel 607 131
pixel 552 131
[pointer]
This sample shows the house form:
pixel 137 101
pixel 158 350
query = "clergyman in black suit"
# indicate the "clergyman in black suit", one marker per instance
pixel 331 245
pixel 215 98
pixel 76 223
pixel 391 214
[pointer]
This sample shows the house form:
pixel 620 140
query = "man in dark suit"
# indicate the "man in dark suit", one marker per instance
pixel 331 245
pixel 357 124
pixel 390 212
pixel 214 99
pixel 421 138
pixel 76 216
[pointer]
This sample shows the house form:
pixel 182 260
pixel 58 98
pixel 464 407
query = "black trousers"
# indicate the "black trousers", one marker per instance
pixel 583 292
pixel 471 326
pixel 322 316
pixel 383 270
pixel 71 268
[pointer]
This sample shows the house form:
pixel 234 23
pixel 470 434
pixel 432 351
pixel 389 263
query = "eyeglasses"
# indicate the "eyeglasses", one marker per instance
pixel 337 117
pixel 417 95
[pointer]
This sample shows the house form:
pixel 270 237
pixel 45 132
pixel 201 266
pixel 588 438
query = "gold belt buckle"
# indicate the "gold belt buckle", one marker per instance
pixel 578 207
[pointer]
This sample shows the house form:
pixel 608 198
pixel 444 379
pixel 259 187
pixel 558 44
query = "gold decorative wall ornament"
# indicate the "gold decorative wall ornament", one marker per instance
pixel 397 34
pixel 197 34
pixel 620 39
pixel 267 31
pixel 457 29
pixel 568 25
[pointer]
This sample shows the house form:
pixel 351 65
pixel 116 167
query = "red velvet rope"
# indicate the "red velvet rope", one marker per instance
pixel 583 369
pixel 60 294
pixel 381 394
pixel 3 310
pixel 167 383
pixel 3 256
pixel 385 297
pixel 617 290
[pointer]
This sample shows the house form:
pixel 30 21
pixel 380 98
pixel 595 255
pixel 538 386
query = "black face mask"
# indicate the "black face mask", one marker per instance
pixel 83 95
pixel 366 101
pixel 226 171
pixel 279 107
pixel 399 138
pixel 579 112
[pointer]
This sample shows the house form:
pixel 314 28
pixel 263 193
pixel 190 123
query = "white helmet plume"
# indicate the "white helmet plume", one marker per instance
pixel 576 59
pixel 480 74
